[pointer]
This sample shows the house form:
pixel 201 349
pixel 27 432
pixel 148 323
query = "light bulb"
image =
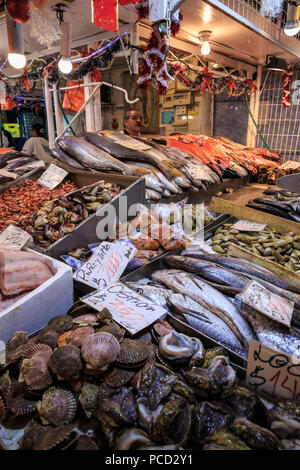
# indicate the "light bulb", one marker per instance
pixel 292 31
pixel 18 61
pixel 205 49
pixel 65 65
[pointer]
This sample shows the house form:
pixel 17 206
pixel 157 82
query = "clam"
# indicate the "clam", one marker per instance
pixel 35 371
pixel 118 377
pixel 114 330
pixel 146 416
pixel 100 350
pixel 66 228
pixel 133 353
pixel 66 363
pixel 48 336
pixel 284 418
pixel 173 424
pixel 79 336
pixel 78 309
pixel 222 371
pixel 61 323
pixel 211 354
pixel 88 399
pixel 58 406
pixel 208 417
pixel 290 444
pixel 254 435
pixel 86 320
pixel 156 383
pixel 53 437
pixel 161 329
pixel 131 439
pixel 175 346
pixel 225 439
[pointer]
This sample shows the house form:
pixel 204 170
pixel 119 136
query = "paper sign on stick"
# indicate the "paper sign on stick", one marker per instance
pixel 128 308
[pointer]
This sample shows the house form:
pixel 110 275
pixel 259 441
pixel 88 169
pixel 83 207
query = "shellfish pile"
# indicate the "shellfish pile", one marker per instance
pixel 58 217
pixel 81 383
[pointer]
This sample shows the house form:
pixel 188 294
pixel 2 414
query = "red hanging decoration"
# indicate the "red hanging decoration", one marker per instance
pixel 251 84
pixel 105 14
pixel 155 61
pixel 232 86
pixel 25 82
pixel 206 82
pixel 19 10
pixel 286 77
pixel 175 25
pixel 127 2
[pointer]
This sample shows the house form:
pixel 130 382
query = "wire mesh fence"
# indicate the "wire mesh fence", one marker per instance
pixel 279 125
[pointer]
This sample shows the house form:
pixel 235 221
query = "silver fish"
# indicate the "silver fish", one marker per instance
pixel 90 156
pixel 151 194
pixel 269 332
pixel 170 185
pixel 208 297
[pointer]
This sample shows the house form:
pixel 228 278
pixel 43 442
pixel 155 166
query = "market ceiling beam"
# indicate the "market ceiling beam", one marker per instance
pixel 144 32
pixel 101 36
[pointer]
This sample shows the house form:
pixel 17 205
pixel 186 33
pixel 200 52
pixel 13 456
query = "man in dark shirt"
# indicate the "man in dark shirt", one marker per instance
pixel 133 122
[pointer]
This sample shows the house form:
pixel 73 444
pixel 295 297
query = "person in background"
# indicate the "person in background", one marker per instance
pixel 133 122
pixel 38 146
pixel 7 140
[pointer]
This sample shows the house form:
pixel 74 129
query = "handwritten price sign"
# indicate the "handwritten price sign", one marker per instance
pixel 107 264
pixel 273 306
pixel 247 226
pixel 15 238
pixel 274 373
pixel 131 310
pixel 52 177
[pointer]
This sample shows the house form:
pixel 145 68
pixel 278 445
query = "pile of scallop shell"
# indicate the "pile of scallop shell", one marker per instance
pixel 81 383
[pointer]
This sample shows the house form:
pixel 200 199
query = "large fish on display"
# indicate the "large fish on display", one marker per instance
pixel 194 313
pixel 208 297
pixel 64 158
pixel 150 155
pixel 91 156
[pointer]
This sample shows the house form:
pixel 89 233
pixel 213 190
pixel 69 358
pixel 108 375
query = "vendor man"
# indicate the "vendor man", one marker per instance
pixel 133 122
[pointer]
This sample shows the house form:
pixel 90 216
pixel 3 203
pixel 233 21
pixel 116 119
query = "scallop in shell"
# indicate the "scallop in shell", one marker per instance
pixel 48 336
pixel 79 336
pixel 88 398
pixel 58 406
pixel 133 353
pixel 61 323
pixel 78 309
pixel 63 339
pixel 3 408
pixel 118 377
pixel 5 383
pixel 17 340
pixel 66 363
pixel 53 437
pixel 86 443
pixel 89 319
pixel 114 330
pixel 20 406
pixel 100 350
pixel 35 371
pixel 32 349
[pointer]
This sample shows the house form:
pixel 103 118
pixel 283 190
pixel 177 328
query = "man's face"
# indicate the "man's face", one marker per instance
pixel 135 123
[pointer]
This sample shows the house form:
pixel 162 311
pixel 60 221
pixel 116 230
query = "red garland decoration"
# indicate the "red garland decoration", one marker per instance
pixel 286 77
pixel 175 25
pixel 251 84
pixel 232 86
pixel 19 10
pixel 206 82
pixel 50 67
pixel 24 81
pixel 154 60
pixel 142 10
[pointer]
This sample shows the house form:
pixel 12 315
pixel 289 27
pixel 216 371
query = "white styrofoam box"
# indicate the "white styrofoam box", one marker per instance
pixel 33 311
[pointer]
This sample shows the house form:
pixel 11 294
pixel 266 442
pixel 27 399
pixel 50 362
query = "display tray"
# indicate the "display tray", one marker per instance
pixel 85 232
pixel 275 223
pixel 145 272
pixel 30 175
pixel 33 311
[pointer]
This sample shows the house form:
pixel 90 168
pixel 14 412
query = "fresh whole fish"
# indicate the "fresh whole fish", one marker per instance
pixel 196 315
pixel 90 156
pixel 151 194
pixel 207 296
pixel 64 158
pixel 151 180
pixel 170 185
pixel 243 266
pixel 269 332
